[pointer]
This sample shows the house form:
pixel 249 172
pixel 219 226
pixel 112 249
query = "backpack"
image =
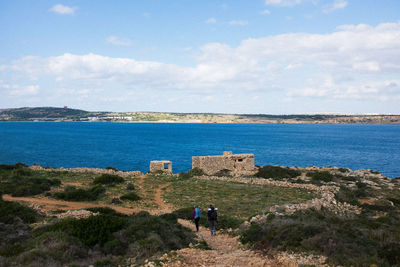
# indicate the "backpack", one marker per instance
pixel 213 215
pixel 197 213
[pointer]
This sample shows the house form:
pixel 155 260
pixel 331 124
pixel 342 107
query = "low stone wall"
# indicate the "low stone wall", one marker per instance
pixel 262 181
pixel 91 170
pixel 327 199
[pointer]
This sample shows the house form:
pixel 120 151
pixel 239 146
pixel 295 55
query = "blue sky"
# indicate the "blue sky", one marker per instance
pixel 269 56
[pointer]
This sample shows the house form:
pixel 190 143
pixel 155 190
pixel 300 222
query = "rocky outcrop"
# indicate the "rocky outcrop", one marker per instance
pixel 91 170
pixel 326 200
pixel 76 214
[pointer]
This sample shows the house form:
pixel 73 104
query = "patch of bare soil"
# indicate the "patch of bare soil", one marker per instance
pixel 141 180
pixel 226 251
pixel 369 201
pixel 73 183
pixel 162 206
pixel 52 204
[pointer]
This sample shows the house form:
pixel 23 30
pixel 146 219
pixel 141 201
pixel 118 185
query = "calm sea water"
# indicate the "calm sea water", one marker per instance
pixel 132 146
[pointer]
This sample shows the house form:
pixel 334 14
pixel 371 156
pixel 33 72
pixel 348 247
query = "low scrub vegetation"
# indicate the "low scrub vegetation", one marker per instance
pixel 223 173
pixel 132 196
pixel 191 173
pixel 71 193
pixel 9 211
pixel 108 179
pixel 354 241
pixel 103 240
pixel 14 227
pixel 276 172
pixel 18 181
pixel 319 176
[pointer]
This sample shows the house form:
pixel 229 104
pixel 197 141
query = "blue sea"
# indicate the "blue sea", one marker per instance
pixel 131 146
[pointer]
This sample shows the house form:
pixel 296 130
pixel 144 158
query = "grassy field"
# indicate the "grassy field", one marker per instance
pixel 237 200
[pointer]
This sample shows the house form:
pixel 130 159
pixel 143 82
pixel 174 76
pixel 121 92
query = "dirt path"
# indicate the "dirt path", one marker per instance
pixel 162 206
pixel 141 180
pixel 226 251
pixel 51 204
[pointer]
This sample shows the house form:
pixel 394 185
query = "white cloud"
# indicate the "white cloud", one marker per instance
pixel 118 41
pixel 63 10
pixel 337 4
pixel 355 61
pixel 383 90
pixel 238 22
pixel 293 66
pixel 211 21
pixel 283 3
pixel 265 12
pixel 18 90
pixel 366 66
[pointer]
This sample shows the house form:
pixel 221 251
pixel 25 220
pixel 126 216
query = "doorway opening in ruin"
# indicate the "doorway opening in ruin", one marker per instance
pixel 166 166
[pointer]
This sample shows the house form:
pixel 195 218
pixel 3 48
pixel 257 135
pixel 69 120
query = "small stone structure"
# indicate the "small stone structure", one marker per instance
pixel 161 165
pixel 235 163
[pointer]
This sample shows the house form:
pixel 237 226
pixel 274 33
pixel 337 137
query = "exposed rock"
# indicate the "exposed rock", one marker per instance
pixel 91 170
pixel 77 214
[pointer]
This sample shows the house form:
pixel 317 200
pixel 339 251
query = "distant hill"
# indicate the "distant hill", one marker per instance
pixel 67 114
pixel 42 113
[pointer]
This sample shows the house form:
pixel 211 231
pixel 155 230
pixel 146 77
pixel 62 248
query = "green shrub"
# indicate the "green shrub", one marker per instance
pixel 130 196
pixel 193 172
pixel 10 210
pixel 111 168
pixel 147 229
pixel 73 194
pixel 346 241
pixel 106 263
pixel 391 253
pixel 21 183
pixel 348 195
pixel 108 179
pixel 12 250
pixel 276 172
pixel 324 176
pixel 90 231
pixel 130 186
pixel 116 200
pixel 222 173
pixel 8 167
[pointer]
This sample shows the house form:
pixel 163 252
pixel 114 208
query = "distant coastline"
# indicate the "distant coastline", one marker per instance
pixel 53 114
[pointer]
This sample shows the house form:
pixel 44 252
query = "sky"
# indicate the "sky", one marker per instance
pixel 237 56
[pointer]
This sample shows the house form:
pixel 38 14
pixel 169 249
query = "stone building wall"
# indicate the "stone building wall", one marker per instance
pixel 161 165
pixel 236 163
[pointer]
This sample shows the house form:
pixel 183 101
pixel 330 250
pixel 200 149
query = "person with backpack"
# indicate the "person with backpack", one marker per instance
pixel 212 218
pixel 196 215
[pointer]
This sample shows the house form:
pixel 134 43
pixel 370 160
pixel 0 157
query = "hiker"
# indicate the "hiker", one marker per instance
pixel 212 218
pixel 196 214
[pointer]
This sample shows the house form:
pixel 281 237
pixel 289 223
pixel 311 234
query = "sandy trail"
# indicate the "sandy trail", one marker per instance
pixel 226 251
pixel 51 204
pixel 162 206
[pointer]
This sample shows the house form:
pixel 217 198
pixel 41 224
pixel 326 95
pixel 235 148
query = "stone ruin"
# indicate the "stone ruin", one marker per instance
pixel 161 165
pixel 236 164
